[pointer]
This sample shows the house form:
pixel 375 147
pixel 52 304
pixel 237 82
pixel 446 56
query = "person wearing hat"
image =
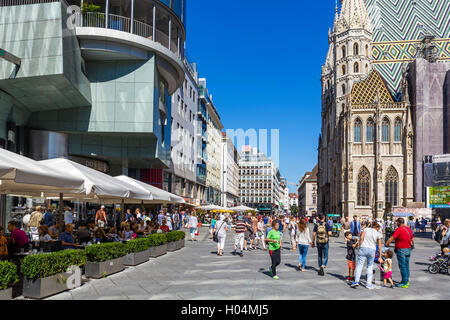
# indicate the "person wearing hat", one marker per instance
pixel 220 229
pixel 100 217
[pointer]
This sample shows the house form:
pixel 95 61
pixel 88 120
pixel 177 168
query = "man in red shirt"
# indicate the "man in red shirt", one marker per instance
pixel 403 237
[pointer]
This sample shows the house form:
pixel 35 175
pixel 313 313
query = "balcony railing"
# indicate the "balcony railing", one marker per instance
pixel 115 22
pixel 8 3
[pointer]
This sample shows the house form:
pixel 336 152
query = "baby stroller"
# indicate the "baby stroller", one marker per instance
pixel 441 265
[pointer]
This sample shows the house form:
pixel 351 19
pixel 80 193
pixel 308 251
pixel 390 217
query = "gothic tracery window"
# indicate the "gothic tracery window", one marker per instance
pixel 398 130
pixel 385 130
pixel 391 187
pixel 357 131
pixel 363 187
pixel 370 130
pixel 356 49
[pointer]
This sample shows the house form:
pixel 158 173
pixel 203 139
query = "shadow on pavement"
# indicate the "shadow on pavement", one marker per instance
pixel 338 276
pixel 290 266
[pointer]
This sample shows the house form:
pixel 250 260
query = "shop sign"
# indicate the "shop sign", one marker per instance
pixel 98 165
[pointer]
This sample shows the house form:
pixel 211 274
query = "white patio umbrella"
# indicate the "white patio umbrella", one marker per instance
pixel 212 207
pixel 23 176
pixel 242 209
pixel 159 195
pixel 97 185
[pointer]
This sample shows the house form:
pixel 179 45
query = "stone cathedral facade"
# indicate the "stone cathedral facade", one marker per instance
pixel 366 143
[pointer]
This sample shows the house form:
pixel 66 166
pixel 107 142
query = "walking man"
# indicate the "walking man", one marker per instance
pixel 403 237
pixel 323 232
pixel 355 227
pixel 239 228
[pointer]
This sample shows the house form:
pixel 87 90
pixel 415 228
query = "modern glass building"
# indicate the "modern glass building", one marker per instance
pixel 94 81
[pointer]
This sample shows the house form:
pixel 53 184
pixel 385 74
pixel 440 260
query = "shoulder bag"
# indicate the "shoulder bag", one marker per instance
pixel 215 238
pixel 412 241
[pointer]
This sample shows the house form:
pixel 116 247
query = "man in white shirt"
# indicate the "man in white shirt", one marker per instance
pixel 68 216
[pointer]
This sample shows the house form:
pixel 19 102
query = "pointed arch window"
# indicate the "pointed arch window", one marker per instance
pixel 391 187
pixel 357 131
pixel 364 187
pixel 344 69
pixel 367 50
pixel 385 130
pixel 356 67
pixel 370 130
pixel 398 130
pixel 343 51
pixel 343 89
pixel 356 49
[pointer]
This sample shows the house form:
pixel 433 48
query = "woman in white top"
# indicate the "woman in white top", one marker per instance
pixel 303 239
pixel 261 233
pixel 193 223
pixel 221 228
pixel 292 232
pixel 370 237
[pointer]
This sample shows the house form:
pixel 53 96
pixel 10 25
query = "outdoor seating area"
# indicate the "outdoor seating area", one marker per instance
pixel 54 237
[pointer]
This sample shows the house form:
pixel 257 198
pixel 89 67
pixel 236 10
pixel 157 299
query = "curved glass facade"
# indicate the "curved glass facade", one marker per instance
pixel 178 6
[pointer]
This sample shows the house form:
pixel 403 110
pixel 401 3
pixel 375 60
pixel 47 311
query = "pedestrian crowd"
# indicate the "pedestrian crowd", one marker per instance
pixel 367 242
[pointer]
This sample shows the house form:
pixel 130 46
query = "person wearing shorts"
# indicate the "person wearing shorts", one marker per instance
pixel 351 244
pixel 239 228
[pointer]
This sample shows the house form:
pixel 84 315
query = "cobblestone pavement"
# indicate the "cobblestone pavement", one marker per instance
pixel 196 272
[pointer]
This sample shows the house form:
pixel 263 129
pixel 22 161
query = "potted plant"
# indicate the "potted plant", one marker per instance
pixel 105 259
pixel 175 240
pixel 137 252
pixel 51 273
pixel 157 243
pixel 8 277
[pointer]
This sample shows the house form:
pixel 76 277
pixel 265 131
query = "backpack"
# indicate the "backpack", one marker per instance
pixel 322 234
pixel 438 235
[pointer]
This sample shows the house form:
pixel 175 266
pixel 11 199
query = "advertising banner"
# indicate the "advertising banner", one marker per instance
pixel 439 197
pixel 412 212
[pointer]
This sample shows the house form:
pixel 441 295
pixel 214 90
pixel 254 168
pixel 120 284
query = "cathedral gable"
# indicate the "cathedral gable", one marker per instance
pixel 371 89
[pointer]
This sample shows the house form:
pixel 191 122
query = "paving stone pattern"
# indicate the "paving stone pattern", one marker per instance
pixel 196 272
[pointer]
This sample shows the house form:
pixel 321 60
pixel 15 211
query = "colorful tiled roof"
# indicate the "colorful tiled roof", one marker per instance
pixel 370 89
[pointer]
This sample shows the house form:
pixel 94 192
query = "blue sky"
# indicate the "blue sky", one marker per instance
pixel 262 61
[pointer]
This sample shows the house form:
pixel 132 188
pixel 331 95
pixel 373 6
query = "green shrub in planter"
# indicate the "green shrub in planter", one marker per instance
pixel 48 264
pixel 156 239
pixel 8 274
pixel 105 251
pixel 137 245
pixel 175 236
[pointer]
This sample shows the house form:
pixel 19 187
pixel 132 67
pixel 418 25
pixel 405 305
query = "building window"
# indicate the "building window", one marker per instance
pixel 385 130
pixel 364 187
pixel 391 185
pixel 343 89
pixel 356 67
pixel 343 52
pixel 344 68
pixel 357 131
pixel 398 130
pixel 356 49
pixel 369 130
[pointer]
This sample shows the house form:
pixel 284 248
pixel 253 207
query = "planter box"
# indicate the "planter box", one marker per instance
pixel 133 259
pixel 99 270
pixel 6 294
pixel 176 245
pixel 172 246
pixel 48 286
pixel 158 251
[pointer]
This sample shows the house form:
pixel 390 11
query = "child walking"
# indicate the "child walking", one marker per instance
pixel 351 255
pixel 387 268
